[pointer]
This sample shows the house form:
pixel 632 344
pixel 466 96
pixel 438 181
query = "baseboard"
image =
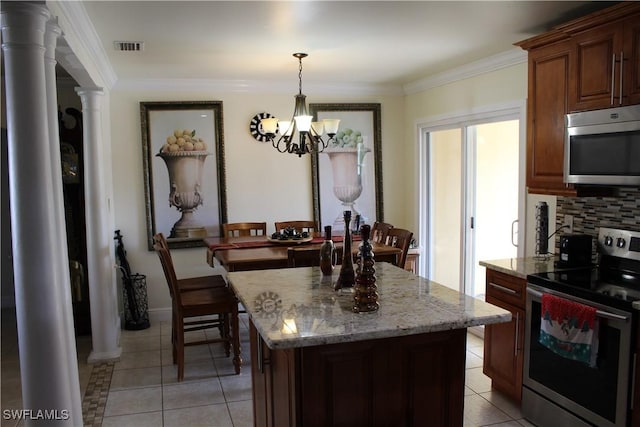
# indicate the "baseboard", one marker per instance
pixel 107 356
pixel 160 315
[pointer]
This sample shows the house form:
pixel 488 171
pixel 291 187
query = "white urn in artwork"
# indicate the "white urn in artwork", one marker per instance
pixel 346 164
pixel 185 190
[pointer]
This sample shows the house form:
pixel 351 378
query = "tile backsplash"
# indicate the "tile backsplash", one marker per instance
pixel 591 213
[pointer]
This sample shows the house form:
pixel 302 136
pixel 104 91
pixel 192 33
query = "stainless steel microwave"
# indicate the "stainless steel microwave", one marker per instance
pixel 603 147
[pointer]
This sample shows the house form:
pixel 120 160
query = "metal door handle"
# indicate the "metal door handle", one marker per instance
pixel 515 344
pixel 259 353
pixel 613 77
pixel 633 376
pixel 621 74
pixel 513 233
pixel 502 288
pixel 601 313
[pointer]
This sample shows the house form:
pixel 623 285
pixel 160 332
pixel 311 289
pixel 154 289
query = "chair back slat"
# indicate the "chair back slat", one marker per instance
pixel 379 231
pixel 400 238
pixel 299 226
pixel 243 229
pixel 302 257
pixel 167 266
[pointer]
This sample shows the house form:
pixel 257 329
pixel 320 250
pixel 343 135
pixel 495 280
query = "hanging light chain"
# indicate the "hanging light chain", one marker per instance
pixel 300 76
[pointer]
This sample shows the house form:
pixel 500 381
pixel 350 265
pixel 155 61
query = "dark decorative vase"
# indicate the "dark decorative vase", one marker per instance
pixel 366 295
pixel 347 276
pixel 326 252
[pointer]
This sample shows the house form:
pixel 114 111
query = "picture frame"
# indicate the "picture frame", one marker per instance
pixel 185 189
pixel 327 208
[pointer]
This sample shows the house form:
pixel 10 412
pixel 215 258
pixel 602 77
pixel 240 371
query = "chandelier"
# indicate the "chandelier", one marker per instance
pixel 309 132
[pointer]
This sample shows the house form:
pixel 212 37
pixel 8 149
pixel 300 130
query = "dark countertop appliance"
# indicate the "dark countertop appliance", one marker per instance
pixel 561 391
pixel 575 250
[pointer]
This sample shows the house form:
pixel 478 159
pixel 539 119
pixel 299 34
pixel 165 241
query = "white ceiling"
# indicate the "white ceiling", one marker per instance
pixel 348 42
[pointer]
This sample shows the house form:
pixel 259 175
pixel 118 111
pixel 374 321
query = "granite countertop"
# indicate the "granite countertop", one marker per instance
pixel 521 267
pixel 297 307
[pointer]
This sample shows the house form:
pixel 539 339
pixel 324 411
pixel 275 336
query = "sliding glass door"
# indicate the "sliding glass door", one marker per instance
pixel 470 199
pixel 445 200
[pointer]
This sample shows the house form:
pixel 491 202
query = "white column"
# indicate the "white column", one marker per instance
pixel 61 257
pixel 105 322
pixel 48 360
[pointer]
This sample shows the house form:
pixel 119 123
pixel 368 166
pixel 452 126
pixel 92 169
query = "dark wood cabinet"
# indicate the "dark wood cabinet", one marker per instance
pixel 412 260
pixel 504 342
pixel 586 64
pixel 632 67
pixel 606 59
pixel 410 380
pixel 547 104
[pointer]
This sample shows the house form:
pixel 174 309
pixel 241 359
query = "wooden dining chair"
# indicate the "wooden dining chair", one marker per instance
pixel 379 231
pixel 302 257
pixel 400 238
pixel 242 229
pixel 192 283
pixel 200 309
pixel 299 226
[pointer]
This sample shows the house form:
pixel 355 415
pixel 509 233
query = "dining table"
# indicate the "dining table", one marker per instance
pixel 261 252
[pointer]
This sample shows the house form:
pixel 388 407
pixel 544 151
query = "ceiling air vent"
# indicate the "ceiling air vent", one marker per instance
pixel 128 46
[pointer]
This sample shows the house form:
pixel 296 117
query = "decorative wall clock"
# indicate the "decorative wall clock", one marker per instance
pixel 256 128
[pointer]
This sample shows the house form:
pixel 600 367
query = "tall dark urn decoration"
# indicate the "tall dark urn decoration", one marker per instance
pixel 347 276
pixel 366 295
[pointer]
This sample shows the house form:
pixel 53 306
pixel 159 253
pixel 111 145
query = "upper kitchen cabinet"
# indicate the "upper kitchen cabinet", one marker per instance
pixel 577 66
pixel 546 107
pixel 606 59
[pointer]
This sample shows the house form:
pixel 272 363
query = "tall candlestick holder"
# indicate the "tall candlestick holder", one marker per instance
pixel 347 276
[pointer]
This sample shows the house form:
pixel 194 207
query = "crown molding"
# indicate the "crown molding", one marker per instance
pixel 472 69
pixel 82 38
pixel 255 86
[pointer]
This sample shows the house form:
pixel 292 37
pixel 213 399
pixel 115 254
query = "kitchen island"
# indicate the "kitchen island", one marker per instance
pixel 315 362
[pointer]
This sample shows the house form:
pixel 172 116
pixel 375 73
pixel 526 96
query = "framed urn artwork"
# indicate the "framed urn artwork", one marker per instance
pixel 347 175
pixel 184 172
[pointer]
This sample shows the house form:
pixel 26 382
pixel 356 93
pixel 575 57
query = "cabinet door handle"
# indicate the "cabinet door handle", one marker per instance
pixel 621 74
pixel 502 288
pixel 259 354
pixel 633 375
pixel 613 77
pixel 515 344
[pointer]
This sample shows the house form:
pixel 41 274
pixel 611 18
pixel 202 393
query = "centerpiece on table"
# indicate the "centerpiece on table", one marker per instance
pixel 184 154
pixel 346 153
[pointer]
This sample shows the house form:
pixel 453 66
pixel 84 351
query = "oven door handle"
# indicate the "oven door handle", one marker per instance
pixel 604 314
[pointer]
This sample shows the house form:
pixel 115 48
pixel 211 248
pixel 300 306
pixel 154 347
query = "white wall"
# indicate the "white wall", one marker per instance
pixel 503 86
pixel 262 184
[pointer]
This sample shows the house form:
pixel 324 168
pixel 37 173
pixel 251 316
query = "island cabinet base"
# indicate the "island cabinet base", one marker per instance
pixel 414 380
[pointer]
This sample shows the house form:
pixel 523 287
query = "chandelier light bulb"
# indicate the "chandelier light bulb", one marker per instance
pixel 303 123
pixel 270 125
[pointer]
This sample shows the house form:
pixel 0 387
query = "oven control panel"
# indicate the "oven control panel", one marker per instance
pixel 619 243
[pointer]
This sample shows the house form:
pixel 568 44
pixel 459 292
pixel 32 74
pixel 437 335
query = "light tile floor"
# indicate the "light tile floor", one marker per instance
pixel 143 389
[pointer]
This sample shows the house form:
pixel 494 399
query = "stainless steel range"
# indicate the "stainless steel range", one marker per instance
pixel 560 391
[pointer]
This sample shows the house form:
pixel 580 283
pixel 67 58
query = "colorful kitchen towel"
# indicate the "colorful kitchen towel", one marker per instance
pixel 569 329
